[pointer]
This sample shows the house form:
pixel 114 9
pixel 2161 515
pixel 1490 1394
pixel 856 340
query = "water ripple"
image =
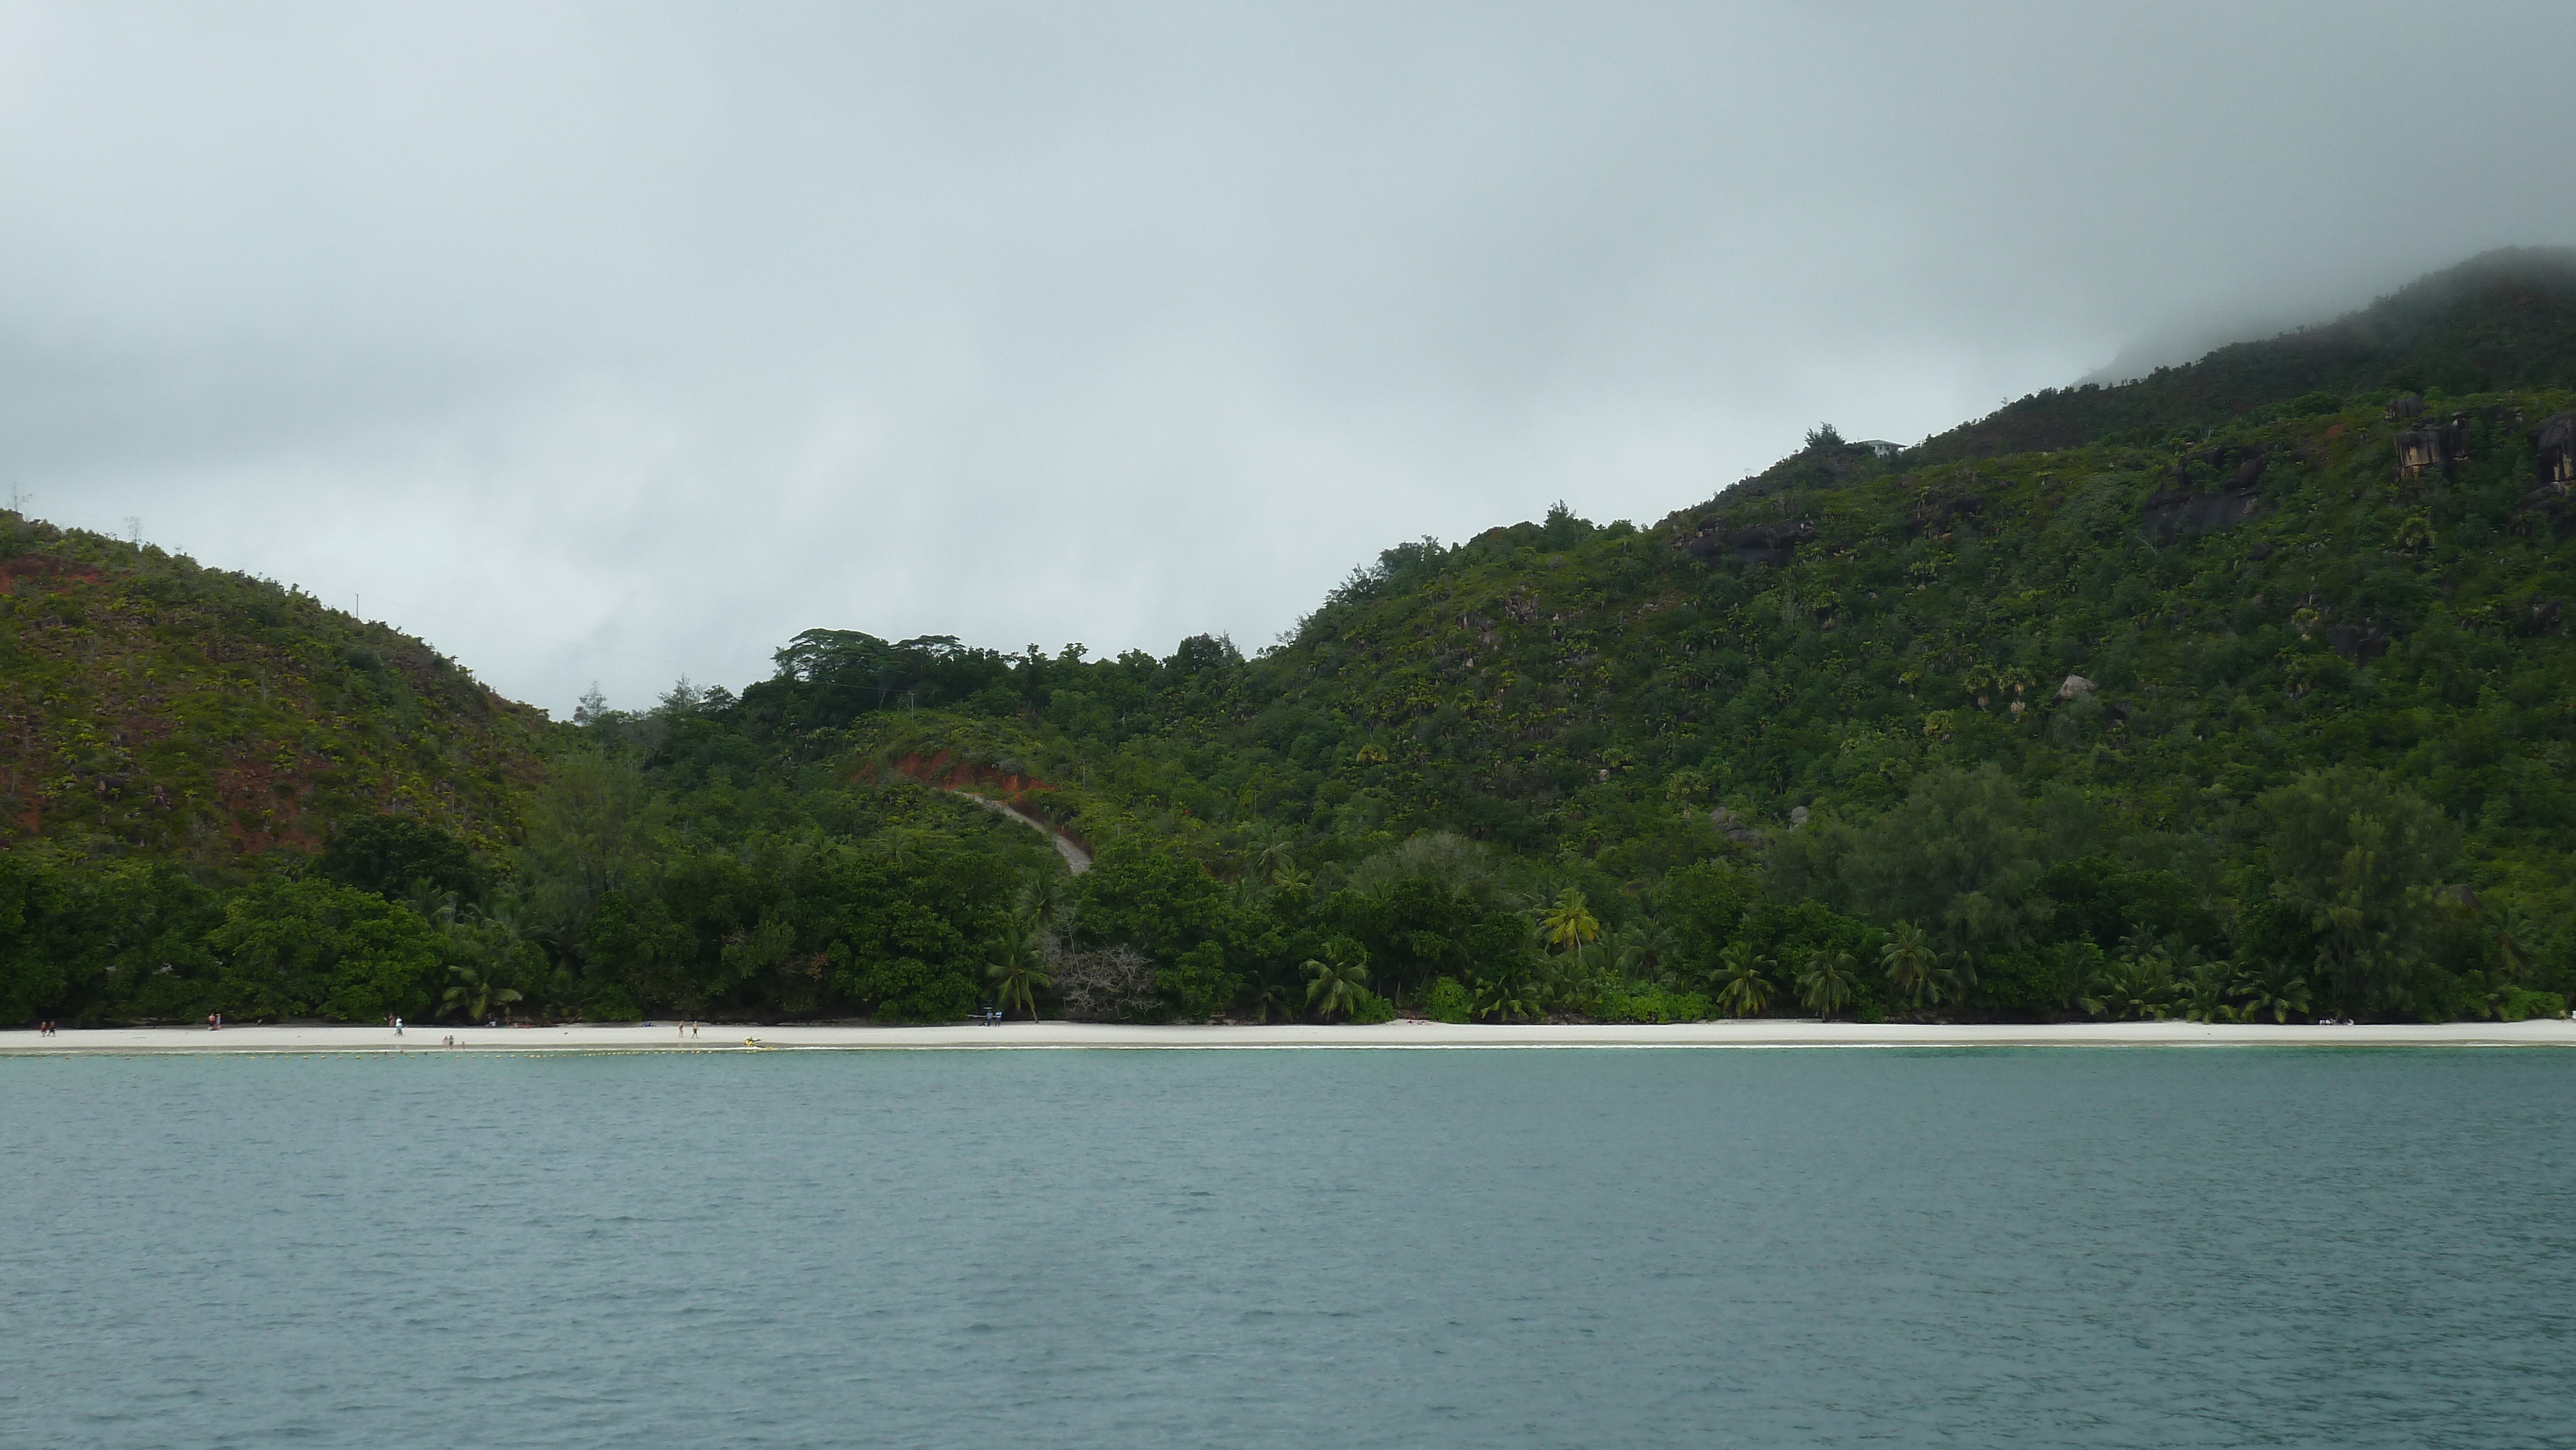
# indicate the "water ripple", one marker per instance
pixel 2025 1247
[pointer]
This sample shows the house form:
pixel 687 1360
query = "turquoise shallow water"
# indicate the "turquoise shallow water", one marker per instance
pixel 1536 1248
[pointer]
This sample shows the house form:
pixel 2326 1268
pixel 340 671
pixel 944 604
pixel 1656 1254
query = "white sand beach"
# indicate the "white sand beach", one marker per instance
pixel 736 1037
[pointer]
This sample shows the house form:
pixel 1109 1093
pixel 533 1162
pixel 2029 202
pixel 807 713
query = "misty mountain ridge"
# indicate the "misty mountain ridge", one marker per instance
pixel 2503 319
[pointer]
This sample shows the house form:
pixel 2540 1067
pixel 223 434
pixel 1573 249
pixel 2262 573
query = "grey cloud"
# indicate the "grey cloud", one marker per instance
pixel 602 342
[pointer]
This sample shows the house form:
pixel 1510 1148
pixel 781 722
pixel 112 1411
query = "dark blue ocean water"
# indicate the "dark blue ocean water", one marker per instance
pixel 1531 1248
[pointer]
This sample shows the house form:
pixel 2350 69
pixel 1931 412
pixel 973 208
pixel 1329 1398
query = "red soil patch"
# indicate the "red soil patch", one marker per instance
pixel 260 816
pixel 957 773
pixel 949 772
pixel 43 569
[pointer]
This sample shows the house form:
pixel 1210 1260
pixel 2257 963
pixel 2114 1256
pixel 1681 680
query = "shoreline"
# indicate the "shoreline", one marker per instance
pixel 1756 1033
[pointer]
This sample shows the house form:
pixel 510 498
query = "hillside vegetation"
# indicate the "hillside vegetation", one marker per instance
pixel 2241 691
pixel 2504 320
pixel 154 706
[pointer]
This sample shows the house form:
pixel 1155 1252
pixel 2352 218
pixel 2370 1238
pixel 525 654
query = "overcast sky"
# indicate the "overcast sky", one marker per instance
pixel 607 342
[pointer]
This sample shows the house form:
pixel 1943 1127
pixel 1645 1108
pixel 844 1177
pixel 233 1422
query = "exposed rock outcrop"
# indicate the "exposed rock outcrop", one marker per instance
pixel 2367 640
pixel 2183 510
pixel 1733 827
pixel 2557 441
pixel 1773 544
pixel 1937 516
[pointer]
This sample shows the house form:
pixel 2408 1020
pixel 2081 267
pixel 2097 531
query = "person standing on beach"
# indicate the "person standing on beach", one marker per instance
pixel 398 1027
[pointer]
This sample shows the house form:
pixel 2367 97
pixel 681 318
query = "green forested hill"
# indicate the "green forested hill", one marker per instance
pixel 154 706
pixel 2241 690
pixel 184 752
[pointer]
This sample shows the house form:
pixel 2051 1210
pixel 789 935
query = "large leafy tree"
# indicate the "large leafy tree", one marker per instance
pixel 1959 852
pixel 595 829
pixel 389 855
pixel 2360 858
pixel 314 948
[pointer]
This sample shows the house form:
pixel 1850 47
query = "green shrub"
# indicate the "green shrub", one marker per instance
pixel 1369 1007
pixel 2520 1005
pixel 1652 1004
pixel 1449 1002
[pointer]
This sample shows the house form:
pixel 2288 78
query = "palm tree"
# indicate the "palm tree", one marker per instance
pixel 1953 981
pixel 2205 994
pixel 1569 922
pixel 1645 951
pixel 1505 998
pixel 2079 974
pixel 2486 993
pixel 1909 962
pixel 1044 903
pixel 1742 989
pixel 1276 999
pixel 1019 968
pixel 2277 989
pixel 902 846
pixel 1335 980
pixel 473 992
pixel 1825 983
pixel 2415 531
pixel 2513 942
pixel 1270 854
pixel 438 908
pixel 2139 987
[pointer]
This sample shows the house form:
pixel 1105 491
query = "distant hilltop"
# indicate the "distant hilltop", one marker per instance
pixel 2500 321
